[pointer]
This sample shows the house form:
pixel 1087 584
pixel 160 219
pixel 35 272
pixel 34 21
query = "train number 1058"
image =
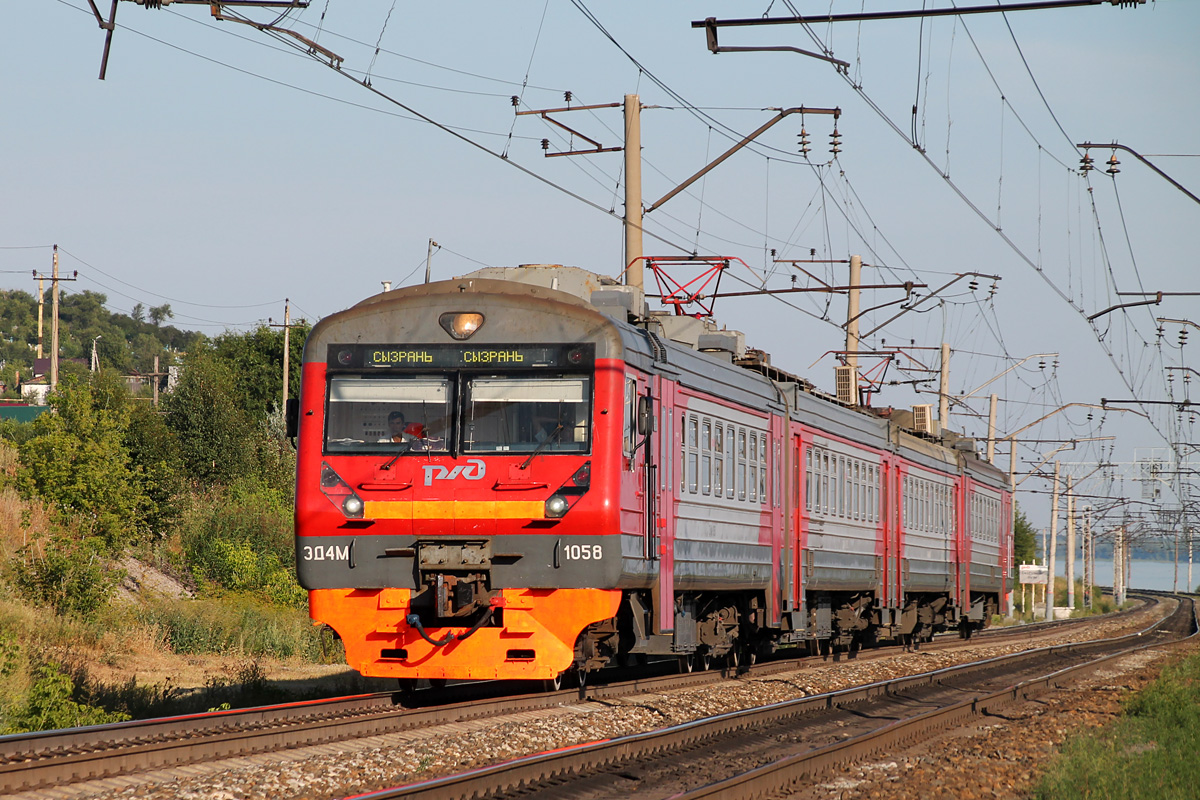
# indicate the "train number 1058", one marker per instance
pixel 583 552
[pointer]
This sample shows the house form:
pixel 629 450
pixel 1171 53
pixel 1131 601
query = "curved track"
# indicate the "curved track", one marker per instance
pixel 30 761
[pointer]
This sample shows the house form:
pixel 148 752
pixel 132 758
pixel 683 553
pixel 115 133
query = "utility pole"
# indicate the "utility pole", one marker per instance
pixel 633 192
pixel 41 305
pixel 991 445
pixel 1053 548
pixel 944 390
pixel 154 382
pixel 287 346
pixel 54 279
pixel 1118 569
pixel 1087 557
pixel 1070 545
pixel 428 263
pixel 852 314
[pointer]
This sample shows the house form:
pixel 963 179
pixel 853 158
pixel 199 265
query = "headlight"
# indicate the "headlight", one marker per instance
pixel 461 325
pixel 556 506
pixel 352 506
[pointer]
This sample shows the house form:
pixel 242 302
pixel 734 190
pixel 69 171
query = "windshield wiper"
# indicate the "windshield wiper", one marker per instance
pixel 404 448
pixel 541 445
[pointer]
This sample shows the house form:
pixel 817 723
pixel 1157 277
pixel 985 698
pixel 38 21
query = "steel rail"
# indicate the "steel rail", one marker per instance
pixel 526 773
pixel 47 758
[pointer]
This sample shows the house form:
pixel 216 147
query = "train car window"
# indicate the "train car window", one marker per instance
pixel 520 414
pixel 692 457
pixel 762 468
pixel 682 453
pixel 357 420
pixel 824 468
pixel 630 415
pixel 808 491
pixel 741 464
pixel 719 460
pixel 872 494
pixel 753 467
pixel 706 456
pixel 730 461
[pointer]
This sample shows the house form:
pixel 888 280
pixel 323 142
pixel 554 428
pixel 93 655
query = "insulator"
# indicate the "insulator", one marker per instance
pixel 516 101
pixel 835 149
pixel 772 252
pixel 812 252
pixel 974 285
pixel 1089 416
pixel 1112 164
pixel 545 144
pixel 793 280
pixel 567 96
pixel 1085 163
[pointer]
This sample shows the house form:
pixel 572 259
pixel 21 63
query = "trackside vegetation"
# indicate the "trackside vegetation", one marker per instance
pixel 1149 753
pixel 105 489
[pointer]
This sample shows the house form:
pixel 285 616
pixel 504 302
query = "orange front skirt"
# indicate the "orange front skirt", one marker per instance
pixel 536 642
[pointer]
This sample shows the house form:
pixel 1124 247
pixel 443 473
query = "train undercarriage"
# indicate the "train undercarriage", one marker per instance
pixel 728 629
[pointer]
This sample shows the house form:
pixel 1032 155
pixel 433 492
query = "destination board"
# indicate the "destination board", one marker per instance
pixel 457 356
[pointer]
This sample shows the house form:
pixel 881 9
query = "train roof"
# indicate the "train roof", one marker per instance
pixel 693 351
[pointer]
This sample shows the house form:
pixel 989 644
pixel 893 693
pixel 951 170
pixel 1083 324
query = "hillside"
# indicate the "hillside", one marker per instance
pixel 146 558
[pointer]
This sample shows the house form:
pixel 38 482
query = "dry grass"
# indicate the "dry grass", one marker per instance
pixel 21 521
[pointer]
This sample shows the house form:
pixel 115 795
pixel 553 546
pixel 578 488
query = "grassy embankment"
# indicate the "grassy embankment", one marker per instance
pixel 1149 753
pixel 80 643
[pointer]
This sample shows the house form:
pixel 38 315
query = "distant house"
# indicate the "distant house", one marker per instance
pixel 35 393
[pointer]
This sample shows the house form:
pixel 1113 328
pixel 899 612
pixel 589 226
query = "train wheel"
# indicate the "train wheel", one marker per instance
pixel 406 686
pixel 687 663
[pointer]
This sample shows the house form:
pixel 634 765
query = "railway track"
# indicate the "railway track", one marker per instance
pixel 760 752
pixel 56 758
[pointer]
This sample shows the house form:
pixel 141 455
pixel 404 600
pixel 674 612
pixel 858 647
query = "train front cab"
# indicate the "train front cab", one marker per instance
pixel 483 543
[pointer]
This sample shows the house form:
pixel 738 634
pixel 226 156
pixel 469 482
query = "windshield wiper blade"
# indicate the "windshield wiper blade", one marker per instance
pixel 542 445
pixel 404 448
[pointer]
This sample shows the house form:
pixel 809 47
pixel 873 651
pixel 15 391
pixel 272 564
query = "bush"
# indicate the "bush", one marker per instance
pixel 77 462
pixel 73 578
pixel 241 540
pixel 51 705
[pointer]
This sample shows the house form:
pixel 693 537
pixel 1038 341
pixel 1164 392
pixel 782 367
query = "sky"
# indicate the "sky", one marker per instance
pixel 220 170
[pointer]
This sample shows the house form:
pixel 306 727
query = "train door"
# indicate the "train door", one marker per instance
pixel 634 511
pixel 663 441
pixel 963 541
pixel 893 484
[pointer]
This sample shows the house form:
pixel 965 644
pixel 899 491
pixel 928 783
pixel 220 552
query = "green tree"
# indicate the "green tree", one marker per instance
pixel 77 460
pixel 257 358
pixel 160 314
pixel 155 454
pixel 1024 538
pixel 217 438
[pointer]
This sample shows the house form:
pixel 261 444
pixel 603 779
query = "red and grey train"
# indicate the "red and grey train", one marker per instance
pixel 501 478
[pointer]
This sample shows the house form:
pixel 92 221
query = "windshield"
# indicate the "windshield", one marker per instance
pixel 523 414
pixel 410 414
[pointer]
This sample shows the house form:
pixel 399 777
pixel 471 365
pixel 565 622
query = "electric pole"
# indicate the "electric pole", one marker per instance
pixel 54 279
pixel 287 346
